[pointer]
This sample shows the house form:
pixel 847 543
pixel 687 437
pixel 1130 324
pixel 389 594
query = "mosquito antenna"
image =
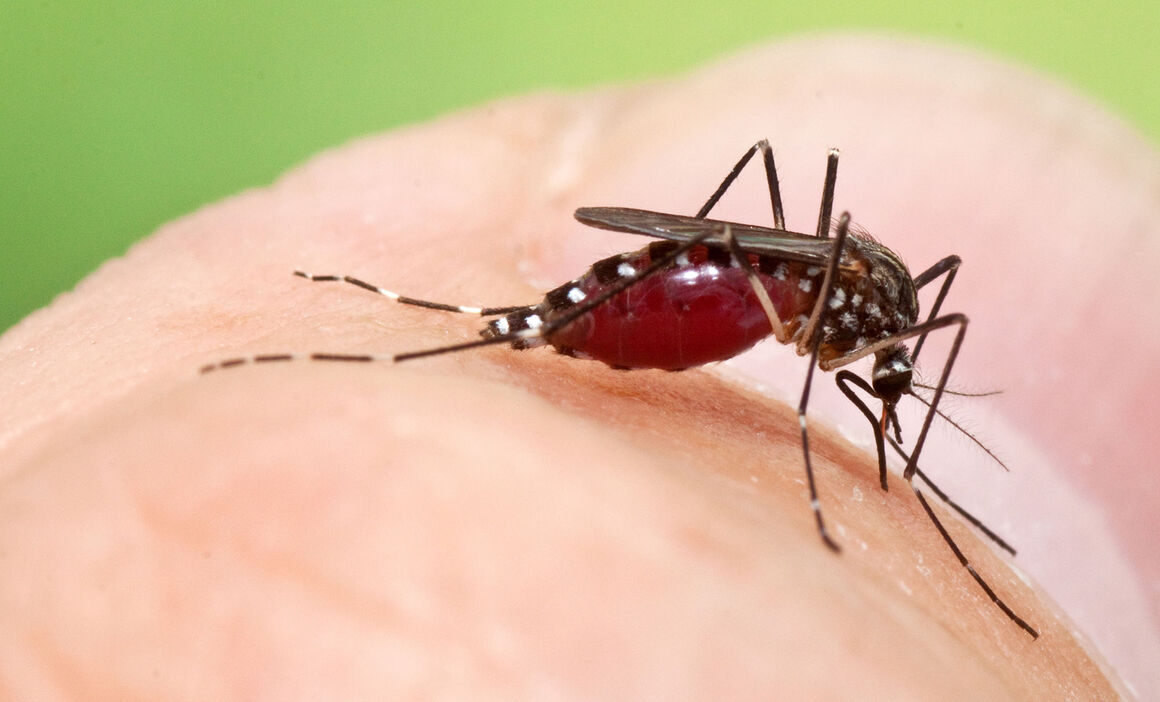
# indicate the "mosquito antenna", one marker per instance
pixel 966 433
pixel 959 393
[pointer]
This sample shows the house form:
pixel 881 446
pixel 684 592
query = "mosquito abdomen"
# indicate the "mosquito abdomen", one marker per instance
pixel 700 310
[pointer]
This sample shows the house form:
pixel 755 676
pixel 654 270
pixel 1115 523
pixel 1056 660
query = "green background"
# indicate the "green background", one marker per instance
pixel 116 117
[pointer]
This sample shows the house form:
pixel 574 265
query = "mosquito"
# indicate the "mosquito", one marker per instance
pixel 708 290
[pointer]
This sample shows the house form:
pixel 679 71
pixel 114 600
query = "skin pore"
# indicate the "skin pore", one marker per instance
pixel 492 524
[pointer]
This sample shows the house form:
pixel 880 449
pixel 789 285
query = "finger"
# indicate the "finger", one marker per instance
pixel 516 493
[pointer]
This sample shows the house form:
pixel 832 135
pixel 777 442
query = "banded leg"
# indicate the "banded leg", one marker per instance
pixel 815 504
pixel 404 300
pixel 286 357
pixel 353 358
pixel 811 340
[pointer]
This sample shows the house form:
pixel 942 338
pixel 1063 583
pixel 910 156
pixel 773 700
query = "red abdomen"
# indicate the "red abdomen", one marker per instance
pixel 699 310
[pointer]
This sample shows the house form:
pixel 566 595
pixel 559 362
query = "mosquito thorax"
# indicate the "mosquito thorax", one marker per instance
pixel 892 373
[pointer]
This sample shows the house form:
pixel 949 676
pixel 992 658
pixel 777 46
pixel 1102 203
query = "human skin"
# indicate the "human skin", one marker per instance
pixel 493 524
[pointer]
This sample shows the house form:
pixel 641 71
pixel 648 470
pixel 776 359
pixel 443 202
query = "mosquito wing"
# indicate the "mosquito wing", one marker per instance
pixel 759 240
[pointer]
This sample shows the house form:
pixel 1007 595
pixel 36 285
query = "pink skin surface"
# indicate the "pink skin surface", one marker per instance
pixel 495 524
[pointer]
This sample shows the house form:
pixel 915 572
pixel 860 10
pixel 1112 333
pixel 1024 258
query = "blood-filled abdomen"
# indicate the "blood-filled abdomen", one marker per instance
pixel 700 309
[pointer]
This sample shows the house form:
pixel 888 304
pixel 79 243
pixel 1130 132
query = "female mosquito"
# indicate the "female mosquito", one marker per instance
pixel 709 289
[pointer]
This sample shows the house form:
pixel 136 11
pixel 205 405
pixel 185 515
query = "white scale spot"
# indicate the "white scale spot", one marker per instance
pixel 812 271
pixel 781 271
pixel 873 310
pixel 576 295
pixel 856 301
pixel 849 320
pixel 838 299
pixel 625 270
pixel 388 293
pixel 501 325
pixel 470 310
pixel 683 259
pixel 806 284
pixel 533 321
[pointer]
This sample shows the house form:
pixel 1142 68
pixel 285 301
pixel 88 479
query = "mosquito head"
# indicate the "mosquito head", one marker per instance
pixel 892 374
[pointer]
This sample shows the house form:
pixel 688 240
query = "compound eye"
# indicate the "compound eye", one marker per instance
pixel 892 385
pixel 892 375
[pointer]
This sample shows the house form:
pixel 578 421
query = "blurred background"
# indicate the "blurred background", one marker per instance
pixel 116 117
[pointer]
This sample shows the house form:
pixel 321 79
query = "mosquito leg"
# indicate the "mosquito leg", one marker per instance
pixel 811 340
pixel 285 357
pixel 949 266
pixel 815 505
pixel 827 207
pixel 971 519
pixel 404 300
pixel 957 319
pixel 759 290
pixel 770 177
pixel 971 569
pixel 842 379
